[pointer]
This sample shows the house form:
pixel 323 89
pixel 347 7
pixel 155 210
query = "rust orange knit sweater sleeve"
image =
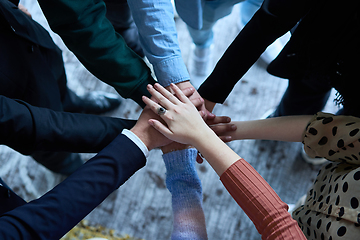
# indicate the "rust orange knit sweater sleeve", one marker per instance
pixel 260 202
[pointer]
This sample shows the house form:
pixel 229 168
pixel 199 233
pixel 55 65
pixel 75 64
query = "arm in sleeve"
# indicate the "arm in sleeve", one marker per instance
pixel 185 187
pixel 86 31
pixel 26 128
pixel 334 137
pixel 59 210
pixel 158 37
pixel 260 202
pixel 271 21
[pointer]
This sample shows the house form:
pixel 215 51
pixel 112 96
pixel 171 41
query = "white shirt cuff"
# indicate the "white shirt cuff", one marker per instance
pixel 137 141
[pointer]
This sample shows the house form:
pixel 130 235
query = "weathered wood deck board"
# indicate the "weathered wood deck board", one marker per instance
pixel 142 206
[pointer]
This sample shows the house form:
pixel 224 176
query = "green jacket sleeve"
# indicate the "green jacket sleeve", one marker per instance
pixel 85 30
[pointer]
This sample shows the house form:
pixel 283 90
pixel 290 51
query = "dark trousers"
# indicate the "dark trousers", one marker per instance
pixel 301 98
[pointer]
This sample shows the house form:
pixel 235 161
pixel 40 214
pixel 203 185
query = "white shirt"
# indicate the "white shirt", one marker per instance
pixel 137 141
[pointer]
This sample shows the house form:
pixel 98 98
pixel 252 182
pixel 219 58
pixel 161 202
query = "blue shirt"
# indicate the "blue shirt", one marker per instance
pixel 158 35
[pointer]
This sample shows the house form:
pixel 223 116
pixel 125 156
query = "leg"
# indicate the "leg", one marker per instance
pixel 201 58
pixel 200 62
pixel 247 10
pixel 203 38
pixel 301 99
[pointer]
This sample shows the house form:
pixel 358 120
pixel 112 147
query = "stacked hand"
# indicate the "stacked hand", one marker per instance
pixel 148 135
pixel 184 124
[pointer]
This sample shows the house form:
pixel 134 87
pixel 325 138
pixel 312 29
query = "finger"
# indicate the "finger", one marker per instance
pixel 149 102
pixel 218 119
pixel 209 116
pixel 164 97
pixel 226 138
pixel 188 91
pixel 223 129
pixel 197 102
pixel 154 106
pixel 160 127
pixel 199 159
pixel 179 94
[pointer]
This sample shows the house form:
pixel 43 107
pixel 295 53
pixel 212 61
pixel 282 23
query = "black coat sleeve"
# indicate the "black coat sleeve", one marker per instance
pixel 56 212
pixel 271 21
pixel 26 129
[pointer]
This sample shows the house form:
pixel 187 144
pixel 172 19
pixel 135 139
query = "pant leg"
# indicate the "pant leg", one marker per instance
pixel 248 9
pixel 302 99
pixel 212 12
pixel 204 37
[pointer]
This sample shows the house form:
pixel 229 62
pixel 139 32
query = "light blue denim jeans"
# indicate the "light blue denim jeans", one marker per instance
pixel 213 11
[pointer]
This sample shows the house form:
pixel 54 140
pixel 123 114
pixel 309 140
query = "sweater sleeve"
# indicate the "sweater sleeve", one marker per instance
pixel 185 187
pixel 260 202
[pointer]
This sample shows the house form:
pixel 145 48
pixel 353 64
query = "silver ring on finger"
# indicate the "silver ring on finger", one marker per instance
pixel 161 111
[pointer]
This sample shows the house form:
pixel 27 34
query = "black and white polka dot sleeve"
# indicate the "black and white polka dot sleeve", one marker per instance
pixel 336 138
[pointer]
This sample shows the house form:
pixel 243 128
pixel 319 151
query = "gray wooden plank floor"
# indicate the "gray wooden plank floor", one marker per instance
pixel 142 206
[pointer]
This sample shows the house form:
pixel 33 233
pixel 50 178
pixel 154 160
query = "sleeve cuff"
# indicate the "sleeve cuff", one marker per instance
pixel 171 71
pixel 137 141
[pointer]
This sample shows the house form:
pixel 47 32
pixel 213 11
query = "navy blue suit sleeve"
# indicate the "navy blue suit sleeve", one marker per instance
pixel 26 129
pixel 56 212
pixel 271 21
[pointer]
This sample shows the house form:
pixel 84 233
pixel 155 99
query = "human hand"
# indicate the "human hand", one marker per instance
pixel 24 10
pixel 147 134
pixel 184 123
pixel 194 98
pixel 224 130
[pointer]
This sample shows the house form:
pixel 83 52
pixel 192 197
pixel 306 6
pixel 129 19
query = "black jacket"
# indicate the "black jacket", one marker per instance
pixel 322 29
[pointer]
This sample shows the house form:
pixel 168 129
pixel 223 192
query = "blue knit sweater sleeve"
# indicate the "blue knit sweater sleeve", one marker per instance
pixel 184 185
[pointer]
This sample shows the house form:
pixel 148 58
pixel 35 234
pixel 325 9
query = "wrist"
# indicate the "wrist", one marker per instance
pixel 209 105
pixel 184 84
pixel 174 146
pixel 143 137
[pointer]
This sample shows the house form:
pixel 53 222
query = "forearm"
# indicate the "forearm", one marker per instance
pixel 55 213
pixel 158 37
pixel 185 187
pixel 83 27
pixel 215 151
pixel 271 21
pixel 260 202
pixel 289 128
pixel 26 129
